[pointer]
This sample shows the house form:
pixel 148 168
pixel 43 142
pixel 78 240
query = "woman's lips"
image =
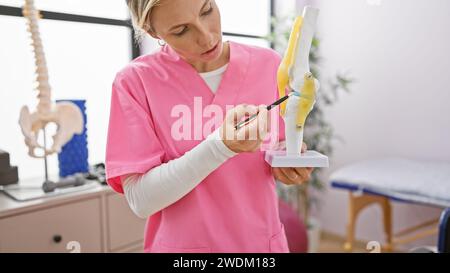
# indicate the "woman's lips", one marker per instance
pixel 211 50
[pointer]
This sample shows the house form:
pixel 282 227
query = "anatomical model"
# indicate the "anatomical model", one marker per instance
pixel 66 115
pixel 294 74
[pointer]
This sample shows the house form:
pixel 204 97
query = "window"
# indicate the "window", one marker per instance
pixel 249 41
pixel 248 17
pixel 246 21
pixel 85 45
pixel 115 9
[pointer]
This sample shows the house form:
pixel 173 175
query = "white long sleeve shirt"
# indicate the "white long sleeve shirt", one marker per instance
pixel 165 184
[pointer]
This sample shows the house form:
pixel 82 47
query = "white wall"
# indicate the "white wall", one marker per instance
pixel 398 50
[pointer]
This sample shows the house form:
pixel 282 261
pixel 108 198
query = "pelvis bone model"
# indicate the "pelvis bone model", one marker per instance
pixel 294 74
pixel 66 115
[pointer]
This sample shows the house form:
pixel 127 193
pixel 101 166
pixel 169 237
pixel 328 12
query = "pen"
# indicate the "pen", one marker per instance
pixel 252 117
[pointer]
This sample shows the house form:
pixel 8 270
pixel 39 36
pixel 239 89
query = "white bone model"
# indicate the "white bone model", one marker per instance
pixel 66 115
pixel 294 73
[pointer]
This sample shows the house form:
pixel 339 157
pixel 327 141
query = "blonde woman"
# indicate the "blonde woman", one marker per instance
pixel 201 192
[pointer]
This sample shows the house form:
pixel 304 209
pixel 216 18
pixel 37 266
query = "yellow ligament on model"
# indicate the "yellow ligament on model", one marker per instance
pixel 307 99
pixel 288 60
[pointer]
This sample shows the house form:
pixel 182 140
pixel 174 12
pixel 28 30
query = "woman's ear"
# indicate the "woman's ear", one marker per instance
pixel 153 34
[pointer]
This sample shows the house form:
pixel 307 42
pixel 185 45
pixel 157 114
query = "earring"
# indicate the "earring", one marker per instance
pixel 161 42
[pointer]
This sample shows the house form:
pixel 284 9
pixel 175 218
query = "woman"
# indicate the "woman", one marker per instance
pixel 201 191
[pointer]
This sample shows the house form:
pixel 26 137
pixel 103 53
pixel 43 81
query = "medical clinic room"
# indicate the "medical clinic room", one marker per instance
pixel 225 126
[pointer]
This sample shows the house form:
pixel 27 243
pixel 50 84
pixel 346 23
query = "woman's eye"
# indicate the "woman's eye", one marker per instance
pixel 209 10
pixel 181 32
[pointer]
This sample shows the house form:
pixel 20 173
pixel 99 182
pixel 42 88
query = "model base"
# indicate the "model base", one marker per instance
pixel 307 159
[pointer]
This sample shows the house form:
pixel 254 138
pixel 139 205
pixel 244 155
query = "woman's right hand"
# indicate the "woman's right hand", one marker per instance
pixel 249 137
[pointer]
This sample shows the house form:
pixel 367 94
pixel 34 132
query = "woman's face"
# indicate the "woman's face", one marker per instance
pixel 191 27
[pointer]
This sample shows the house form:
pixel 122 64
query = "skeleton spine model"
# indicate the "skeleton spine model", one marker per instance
pixel 67 116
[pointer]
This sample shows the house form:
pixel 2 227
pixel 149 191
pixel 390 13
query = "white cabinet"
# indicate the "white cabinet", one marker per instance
pixel 98 220
pixel 50 230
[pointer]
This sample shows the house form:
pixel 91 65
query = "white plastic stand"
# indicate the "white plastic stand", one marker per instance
pixel 308 159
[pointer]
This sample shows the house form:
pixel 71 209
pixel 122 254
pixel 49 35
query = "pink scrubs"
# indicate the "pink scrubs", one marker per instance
pixel 235 208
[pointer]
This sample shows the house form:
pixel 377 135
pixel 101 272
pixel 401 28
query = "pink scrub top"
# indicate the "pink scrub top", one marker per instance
pixel 235 208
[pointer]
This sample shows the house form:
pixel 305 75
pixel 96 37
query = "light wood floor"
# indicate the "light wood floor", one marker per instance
pixel 331 243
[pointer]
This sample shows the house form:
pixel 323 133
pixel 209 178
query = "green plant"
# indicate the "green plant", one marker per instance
pixel 319 133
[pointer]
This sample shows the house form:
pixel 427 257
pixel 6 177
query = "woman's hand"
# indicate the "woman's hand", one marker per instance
pixel 293 176
pixel 249 137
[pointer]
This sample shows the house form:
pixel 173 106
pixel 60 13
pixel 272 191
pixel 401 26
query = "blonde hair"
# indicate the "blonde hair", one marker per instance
pixel 140 16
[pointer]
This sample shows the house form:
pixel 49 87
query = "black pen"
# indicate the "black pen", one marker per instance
pixel 252 117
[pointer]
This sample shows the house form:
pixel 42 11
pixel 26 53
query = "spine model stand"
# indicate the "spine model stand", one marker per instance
pixel 294 74
pixel 66 115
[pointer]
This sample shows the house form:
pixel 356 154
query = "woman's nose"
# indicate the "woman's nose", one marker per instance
pixel 205 38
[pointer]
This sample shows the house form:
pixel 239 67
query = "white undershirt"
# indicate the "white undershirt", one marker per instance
pixel 165 184
pixel 213 78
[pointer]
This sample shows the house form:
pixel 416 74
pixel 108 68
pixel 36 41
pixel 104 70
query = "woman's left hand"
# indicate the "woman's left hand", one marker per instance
pixel 293 176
